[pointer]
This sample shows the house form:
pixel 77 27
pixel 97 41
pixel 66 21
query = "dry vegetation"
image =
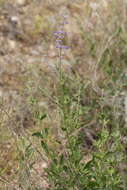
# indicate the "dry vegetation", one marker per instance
pixel 30 91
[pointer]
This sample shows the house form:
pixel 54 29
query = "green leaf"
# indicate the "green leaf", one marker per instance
pixel 46 131
pixel 61 159
pixel 29 150
pixel 31 165
pixel 41 116
pixel 45 147
pixel 59 142
pixel 38 134
pixel 88 164
pixel 33 100
pixel 65 168
pixel 64 128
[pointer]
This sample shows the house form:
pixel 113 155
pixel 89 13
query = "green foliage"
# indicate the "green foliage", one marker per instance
pixel 68 169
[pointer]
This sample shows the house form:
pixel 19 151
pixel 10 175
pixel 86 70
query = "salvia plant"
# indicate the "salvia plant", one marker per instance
pixel 68 167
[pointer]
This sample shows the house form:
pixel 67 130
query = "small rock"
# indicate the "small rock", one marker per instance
pixel 12 44
pixel 21 2
pixel 14 19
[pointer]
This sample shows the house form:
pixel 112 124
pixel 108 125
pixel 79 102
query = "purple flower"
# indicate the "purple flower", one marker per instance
pixel 60 37
pixel 64 22
pixel 59 32
pixel 62 46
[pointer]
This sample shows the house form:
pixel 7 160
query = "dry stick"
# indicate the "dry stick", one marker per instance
pixel 103 51
pixel 47 95
pixel 124 16
pixel 4 180
pixel 98 90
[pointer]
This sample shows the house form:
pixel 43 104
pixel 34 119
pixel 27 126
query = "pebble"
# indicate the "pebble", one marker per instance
pixel 21 2
pixel 14 19
pixel 12 44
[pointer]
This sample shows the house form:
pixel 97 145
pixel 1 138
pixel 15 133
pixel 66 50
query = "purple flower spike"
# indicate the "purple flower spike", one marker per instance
pixel 62 47
pixel 60 37
pixel 59 46
pixel 59 32
pixel 65 22
pixel 65 47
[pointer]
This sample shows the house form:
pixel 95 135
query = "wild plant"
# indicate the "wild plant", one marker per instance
pixel 70 167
